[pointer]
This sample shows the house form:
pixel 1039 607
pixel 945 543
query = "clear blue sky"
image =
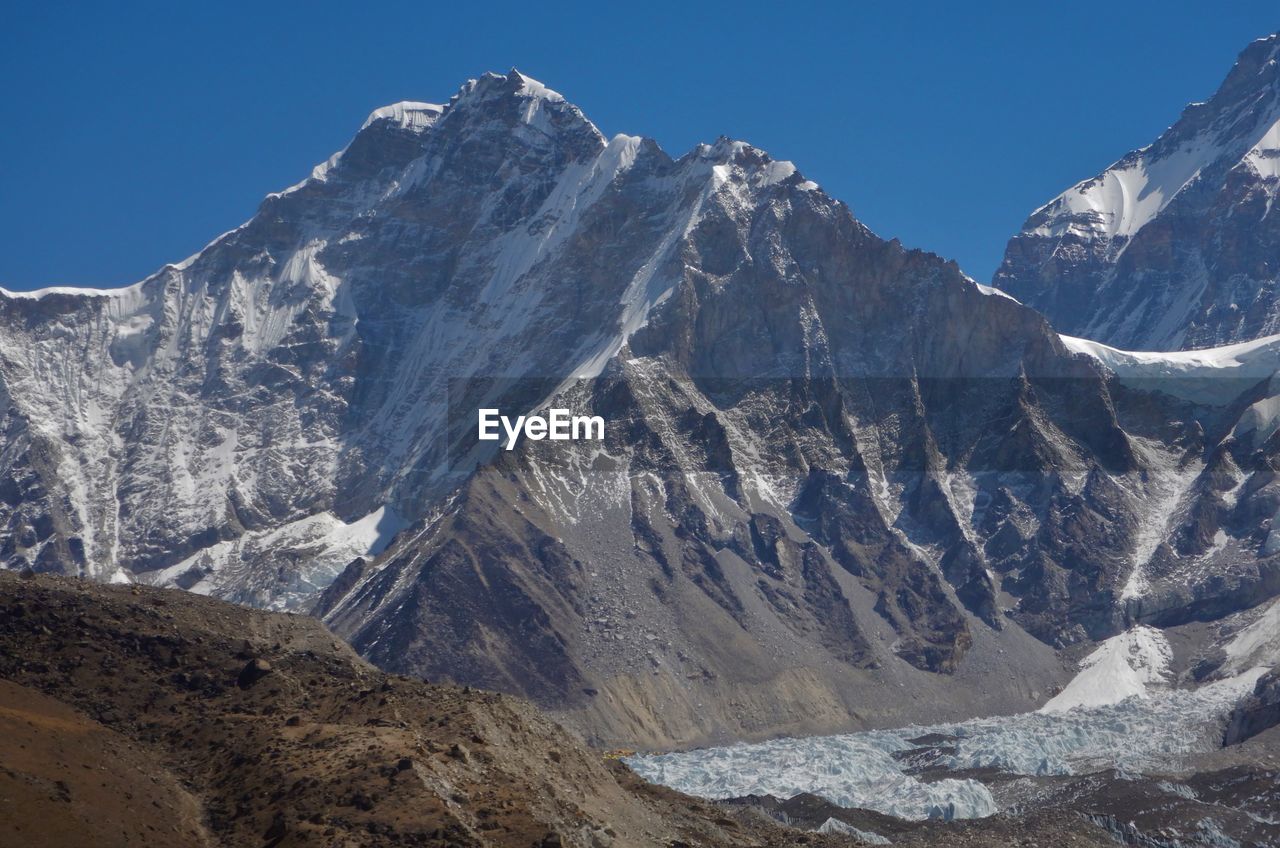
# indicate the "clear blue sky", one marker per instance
pixel 134 133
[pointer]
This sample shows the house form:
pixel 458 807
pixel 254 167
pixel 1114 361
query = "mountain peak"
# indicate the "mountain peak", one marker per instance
pixel 489 88
pixel 515 99
pixel 1259 53
pixel 493 86
pixel 1253 73
pixel 1183 205
pixel 530 87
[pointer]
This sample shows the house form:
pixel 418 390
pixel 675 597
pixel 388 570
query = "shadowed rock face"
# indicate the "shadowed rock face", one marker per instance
pixel 841 484
pixel 1257 713
pixel 1174 246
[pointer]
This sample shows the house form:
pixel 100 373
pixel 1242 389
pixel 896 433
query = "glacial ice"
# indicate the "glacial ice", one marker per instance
pixel 859 770
pixel 867 836
pixel 852 770
pixel 1215 375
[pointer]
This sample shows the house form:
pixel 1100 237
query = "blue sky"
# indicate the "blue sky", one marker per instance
pixel 135 133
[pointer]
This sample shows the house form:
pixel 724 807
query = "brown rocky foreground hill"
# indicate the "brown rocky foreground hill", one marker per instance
pixel 137 716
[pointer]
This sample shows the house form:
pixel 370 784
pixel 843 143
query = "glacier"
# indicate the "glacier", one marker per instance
pixel 860 769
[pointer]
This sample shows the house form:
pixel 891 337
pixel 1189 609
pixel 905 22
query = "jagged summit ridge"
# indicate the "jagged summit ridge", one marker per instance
pixel 522 169
pixel 1238 124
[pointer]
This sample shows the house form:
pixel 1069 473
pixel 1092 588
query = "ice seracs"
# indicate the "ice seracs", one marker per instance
pixel 407 114
pixel 855 770
pixel 1136 733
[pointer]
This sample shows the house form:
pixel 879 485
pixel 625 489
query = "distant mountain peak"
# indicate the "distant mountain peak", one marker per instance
pixel 512 82
pixel 1139 257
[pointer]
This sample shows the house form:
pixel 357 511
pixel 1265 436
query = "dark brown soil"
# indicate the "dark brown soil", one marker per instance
pixel 136 716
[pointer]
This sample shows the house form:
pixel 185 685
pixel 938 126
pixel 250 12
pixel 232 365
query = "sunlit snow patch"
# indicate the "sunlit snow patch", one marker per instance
pixel 837 826
pixel 324 542
pixel 1122 667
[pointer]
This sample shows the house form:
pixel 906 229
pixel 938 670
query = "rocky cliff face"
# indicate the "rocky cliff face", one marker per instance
pixel 1174 246
pixel 841 483
pixel 1257 713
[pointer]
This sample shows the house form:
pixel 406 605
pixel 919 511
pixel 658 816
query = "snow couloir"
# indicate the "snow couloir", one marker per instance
pixel 558 425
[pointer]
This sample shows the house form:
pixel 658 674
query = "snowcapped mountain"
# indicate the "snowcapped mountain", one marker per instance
pixel 1174 246
pixel 249 420
pixel 841 483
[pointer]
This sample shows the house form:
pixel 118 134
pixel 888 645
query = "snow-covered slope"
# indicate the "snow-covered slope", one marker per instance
pixel 1175 244
pixel 300 366
pixel 1215 375
pixel 1256 645
pixel 1124 666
